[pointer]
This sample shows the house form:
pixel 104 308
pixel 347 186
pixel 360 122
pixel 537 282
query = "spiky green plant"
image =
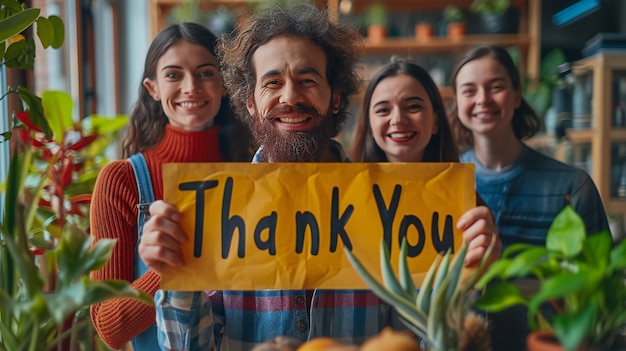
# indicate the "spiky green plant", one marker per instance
pixel 439 312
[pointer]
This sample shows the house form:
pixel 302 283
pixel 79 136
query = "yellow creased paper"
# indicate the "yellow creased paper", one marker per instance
pixel 245 205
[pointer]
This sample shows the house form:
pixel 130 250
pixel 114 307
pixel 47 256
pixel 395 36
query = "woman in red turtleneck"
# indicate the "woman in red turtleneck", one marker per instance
pixel 182 115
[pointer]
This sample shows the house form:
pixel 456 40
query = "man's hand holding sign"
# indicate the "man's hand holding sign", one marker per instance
pixel 284 226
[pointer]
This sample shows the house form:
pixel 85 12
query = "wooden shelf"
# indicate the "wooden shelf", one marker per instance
pixel 580 136
pixel 160 9
pixel 615 205
pixel 618 134
pixel 424 5
pixel 442 44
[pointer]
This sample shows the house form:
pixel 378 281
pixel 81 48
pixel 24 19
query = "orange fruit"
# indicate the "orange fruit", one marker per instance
pixel 391 340
pixel 321 343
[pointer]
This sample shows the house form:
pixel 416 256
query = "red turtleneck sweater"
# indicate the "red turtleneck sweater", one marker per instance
pixel 114 216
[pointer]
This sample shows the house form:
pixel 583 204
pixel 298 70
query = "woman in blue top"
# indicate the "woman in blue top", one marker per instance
pixel 524 188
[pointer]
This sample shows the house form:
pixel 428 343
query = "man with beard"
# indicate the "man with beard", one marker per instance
pixel 289 74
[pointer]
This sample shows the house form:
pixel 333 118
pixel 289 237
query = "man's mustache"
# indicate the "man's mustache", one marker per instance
pixel 281 109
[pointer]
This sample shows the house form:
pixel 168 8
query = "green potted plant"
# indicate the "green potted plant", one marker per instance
pixel 46 253
pixel 495 16
pixel 455 21
pixel 582 277
pixel 439 312
pixel 376 19
pixel 490 6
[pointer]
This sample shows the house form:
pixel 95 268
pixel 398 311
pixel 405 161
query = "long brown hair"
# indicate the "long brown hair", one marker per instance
pixel 440 148
pixel 147 119
pixel 525 122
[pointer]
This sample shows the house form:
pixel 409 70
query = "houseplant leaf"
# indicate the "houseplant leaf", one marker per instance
pixel 597 250
pixel 567 233
pixel 571 329
pixel 57 106
pixel 45 32
pixel 406 279
pixel 58 30
pixel 499 296
pixel 17 23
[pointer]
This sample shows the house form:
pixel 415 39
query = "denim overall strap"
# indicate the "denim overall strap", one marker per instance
pixel 147 340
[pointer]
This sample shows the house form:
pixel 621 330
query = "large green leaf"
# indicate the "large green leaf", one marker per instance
pixel 522 264
pixel 70 255
pixel 45 31
pixel 557 287
pixel 567 233
pixel 96 257
pixel 35 110
pixel 549 65
pixel 17 23
pixel 571 329
pixel 618 256
pixel 57 107
pixel 65 302
pixel 597 250
pixel 500 295
pixel 58 30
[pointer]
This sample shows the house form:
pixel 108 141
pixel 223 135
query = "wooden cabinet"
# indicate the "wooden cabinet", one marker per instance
pixel 603 145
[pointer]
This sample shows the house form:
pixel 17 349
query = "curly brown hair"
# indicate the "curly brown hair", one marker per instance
pixel 147 120
pixel 341 43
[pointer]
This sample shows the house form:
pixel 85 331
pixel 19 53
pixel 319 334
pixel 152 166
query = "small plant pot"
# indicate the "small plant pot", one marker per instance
pixel 542 340
pixel 456 30
pixel 424 31
pixel 376 32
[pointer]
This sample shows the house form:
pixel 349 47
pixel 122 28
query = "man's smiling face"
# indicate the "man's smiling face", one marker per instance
pixel 293 103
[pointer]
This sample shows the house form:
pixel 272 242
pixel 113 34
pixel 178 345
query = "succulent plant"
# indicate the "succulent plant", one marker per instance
pixel 439 312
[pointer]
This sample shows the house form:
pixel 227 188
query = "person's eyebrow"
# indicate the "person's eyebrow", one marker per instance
pixel 208 64
pixel 305 70
pixel 410 98
pixel 272 73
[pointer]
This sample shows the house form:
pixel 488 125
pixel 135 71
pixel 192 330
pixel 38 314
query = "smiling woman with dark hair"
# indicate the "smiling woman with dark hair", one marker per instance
pixel 182 115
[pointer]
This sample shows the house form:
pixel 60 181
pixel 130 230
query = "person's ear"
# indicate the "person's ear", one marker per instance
pixel 250 106
pixel 152 88
pixel 435 128
pixel 336 102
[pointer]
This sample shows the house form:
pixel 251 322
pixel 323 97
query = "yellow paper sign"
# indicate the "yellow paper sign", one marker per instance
pixel 285 226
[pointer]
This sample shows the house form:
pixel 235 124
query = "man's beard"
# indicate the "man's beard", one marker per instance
pixel 293 146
